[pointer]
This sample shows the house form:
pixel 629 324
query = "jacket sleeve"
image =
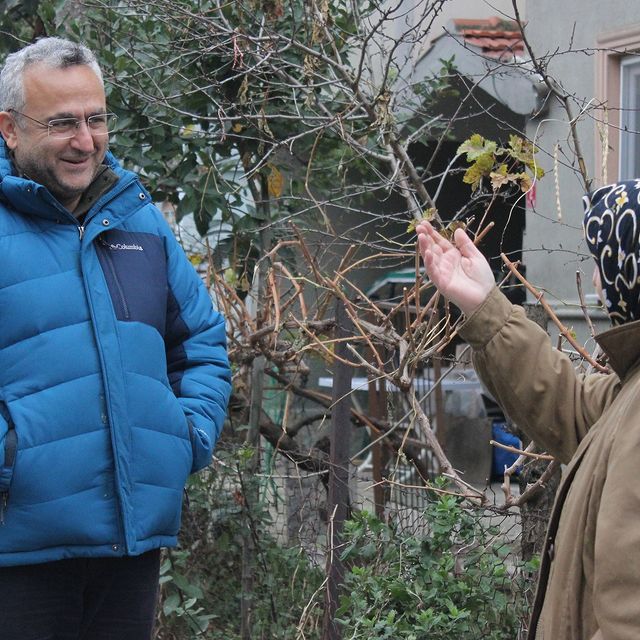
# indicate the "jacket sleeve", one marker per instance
pixel 536 385
pixel 197 361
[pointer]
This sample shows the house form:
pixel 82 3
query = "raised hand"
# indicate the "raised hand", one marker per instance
pixel 459 271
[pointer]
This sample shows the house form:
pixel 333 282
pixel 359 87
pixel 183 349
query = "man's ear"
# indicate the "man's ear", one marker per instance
pixel 8 129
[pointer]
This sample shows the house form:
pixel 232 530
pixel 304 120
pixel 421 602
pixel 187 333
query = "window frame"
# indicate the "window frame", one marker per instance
pixel 629 132
pixel 612 49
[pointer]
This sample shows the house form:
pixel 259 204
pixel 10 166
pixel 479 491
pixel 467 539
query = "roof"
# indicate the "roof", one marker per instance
pixel 495 37
pixel 492 52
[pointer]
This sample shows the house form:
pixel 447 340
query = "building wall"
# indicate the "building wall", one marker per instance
pixel 569 39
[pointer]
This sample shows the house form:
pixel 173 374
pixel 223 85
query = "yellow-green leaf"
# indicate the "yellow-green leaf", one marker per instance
pixel 479 169
pixel 477 146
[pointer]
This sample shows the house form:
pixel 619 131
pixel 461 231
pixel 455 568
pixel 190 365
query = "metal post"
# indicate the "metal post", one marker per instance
pixel 378 409
pixel 253 435
pixel 338 502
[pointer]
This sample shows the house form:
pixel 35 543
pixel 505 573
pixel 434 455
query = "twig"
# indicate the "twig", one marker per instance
pixel 539 296
pixel 527 453
pixel 583 305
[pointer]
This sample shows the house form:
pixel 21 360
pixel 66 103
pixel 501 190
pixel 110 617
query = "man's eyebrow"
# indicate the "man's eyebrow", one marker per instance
pixel 63 115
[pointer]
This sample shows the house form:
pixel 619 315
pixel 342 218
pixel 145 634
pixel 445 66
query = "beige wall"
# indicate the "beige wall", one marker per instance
pixel 589 38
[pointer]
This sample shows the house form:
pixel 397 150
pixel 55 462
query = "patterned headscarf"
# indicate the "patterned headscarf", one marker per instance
pixel 612 230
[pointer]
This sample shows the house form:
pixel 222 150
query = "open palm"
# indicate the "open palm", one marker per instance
pixel 459 271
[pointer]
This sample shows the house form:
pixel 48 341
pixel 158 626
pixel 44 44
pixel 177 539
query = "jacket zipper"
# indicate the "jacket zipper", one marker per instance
pixel 115 192
pixel 10 450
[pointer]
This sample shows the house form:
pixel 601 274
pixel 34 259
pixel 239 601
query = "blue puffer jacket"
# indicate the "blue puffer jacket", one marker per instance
pixel 114 377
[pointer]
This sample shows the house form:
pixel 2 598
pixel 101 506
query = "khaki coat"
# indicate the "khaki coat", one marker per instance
pixel 589 585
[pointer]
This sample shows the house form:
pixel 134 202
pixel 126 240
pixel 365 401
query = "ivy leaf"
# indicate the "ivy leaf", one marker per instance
pixel 479 169
pixel 524 152
pixel 476 146
pixel 451 229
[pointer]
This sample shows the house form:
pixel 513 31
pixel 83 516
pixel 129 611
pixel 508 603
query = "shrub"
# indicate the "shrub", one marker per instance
pixel 451 583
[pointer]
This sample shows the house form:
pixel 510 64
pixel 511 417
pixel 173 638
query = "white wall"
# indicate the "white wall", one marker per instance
pixel 553 244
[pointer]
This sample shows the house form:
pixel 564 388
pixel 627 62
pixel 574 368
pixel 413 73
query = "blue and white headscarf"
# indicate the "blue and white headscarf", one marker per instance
pixel 612 231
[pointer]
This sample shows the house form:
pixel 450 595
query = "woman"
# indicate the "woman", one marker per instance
pixel 589 585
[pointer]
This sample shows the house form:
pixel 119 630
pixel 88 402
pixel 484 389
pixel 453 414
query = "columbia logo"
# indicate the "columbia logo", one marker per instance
pixel 120 246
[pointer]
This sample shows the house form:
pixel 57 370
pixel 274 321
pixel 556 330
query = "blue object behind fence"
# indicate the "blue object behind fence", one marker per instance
pixel 502 458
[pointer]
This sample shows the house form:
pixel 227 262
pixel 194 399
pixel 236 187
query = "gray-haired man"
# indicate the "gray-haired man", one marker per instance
pixel 114 377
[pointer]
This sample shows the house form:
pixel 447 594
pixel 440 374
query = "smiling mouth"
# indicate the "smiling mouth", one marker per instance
pixel 77 161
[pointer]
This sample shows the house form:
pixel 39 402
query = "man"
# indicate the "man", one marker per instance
pixel 114 377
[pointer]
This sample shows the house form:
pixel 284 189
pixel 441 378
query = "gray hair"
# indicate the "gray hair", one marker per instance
pixel 56 53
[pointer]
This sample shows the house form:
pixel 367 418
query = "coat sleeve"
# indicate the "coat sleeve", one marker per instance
pixel 536 385
pixel 197 362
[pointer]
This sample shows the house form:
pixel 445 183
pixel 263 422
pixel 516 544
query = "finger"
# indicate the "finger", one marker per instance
pixel 465 245
pixel 431 266
pixel 426 238
pixel 423 244
pixel 426 228
pixel 429 249
pixel 423 226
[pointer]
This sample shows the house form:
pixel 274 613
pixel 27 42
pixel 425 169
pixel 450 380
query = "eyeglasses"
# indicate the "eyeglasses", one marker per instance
pixel 100 124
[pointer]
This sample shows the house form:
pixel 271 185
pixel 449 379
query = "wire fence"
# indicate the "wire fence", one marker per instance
pixel 257 557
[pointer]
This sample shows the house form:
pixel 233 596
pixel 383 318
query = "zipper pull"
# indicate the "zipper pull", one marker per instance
pixel 3 506
pixel 81 230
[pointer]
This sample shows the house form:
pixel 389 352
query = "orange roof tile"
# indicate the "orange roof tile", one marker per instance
pixel 496 37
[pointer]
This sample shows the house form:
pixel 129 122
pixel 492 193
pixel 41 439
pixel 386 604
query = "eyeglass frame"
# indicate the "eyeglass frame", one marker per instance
pixel 77 121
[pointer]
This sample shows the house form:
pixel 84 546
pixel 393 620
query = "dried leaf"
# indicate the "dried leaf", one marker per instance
pixel 428 215
pixel 500 177
pixel 525 181
pixel 263 125
pixel 275 182
pixel 243 91
pixel 451 228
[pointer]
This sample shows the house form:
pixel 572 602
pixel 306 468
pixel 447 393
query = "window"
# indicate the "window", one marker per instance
pixel 629 162
pixel 618 116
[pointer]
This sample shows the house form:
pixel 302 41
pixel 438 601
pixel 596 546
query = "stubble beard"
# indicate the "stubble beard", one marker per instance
pixel 44 174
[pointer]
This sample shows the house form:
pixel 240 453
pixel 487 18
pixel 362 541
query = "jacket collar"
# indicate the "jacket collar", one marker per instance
pixel 32 198
pixel 622 346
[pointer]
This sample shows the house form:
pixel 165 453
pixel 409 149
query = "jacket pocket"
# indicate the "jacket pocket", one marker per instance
pixel 9 450
pixel 113 281
pixel 192 438
pixel 135 271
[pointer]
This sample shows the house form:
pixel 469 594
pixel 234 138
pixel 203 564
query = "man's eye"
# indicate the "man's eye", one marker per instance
pixel 98 120
pixel 63 125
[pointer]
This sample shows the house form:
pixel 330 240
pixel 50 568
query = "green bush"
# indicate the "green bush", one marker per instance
pixel 444 579
pixel 202 579
pixel 451 583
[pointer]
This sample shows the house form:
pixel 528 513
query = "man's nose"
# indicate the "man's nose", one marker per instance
pixel 83 140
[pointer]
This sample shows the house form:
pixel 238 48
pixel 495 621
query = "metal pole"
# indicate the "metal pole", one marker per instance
pixel 338 502
pixel 253 435
pixel 378 409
